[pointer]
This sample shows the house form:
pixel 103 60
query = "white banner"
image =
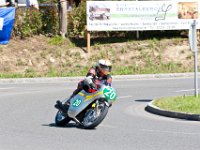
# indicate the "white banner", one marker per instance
pixel 1 23
pixel 142 15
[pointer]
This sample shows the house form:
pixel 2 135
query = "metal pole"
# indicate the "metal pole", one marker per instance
pixel 194 43
pixel 137 32
pixel 196 73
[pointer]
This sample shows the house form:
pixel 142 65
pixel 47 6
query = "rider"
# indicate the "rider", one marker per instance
pixel 99 72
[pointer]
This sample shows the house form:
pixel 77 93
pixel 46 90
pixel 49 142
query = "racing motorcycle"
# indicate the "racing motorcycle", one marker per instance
pixel 87 109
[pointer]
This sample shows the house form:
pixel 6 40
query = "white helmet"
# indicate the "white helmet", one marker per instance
pixel 104 66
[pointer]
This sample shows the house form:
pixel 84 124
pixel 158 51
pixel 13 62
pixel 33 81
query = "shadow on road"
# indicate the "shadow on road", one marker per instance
pixel 69 125
pixel 143 100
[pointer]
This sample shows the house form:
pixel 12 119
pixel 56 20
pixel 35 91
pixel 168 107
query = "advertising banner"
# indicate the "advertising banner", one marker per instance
pixel 142 15
pixel 7 16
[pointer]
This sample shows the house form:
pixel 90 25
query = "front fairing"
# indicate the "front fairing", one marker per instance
pixel 79 102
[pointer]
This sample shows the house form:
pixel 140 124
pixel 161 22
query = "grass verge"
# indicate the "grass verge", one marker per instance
pixel 185 104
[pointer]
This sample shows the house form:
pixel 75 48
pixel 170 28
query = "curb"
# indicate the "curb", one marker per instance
pixel 115 77
pixel 156 110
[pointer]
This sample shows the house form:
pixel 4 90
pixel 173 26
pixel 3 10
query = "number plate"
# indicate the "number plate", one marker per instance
pixel 76 102
pixel 109 93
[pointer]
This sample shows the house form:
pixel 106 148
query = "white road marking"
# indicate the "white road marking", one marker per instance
pixel 6 88
pixel 186 90
pixel 122 97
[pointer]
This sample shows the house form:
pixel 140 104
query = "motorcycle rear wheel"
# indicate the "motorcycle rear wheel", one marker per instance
pixel 90 122
pixel 61 120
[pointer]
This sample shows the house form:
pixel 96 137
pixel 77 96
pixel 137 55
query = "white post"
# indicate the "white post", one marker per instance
pixel 193 45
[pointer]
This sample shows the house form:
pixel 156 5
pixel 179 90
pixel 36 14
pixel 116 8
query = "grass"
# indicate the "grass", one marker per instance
pixel 57 40
pixel 11 75
pixel 76 69
pixel 185 104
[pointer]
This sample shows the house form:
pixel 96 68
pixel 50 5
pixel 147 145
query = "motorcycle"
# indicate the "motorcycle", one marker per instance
pixel 88 109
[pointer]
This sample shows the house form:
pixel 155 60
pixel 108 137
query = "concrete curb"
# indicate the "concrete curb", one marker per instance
pixel 156 110
pixel 116 77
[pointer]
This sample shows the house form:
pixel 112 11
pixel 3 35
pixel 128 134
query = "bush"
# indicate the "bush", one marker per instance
pixel 27 22
pixel 50 20
pixel 30 21
pixel 77 20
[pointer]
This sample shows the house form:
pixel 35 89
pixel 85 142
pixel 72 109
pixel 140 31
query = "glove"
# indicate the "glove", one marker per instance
pixel 93 86
pixel 88 81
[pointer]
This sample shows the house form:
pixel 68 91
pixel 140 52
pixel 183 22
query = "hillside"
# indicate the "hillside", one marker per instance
pixel 42 56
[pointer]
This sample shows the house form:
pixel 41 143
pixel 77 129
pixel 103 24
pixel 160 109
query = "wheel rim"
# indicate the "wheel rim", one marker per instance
pixel 92 114
pixel 89 117
pixel 60 116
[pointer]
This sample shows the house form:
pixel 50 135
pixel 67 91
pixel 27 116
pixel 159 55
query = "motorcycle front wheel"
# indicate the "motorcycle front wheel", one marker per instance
pixel 61 120
pixel 94 116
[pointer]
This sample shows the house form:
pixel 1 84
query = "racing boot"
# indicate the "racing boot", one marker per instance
pixel 61 107
pixel 64 107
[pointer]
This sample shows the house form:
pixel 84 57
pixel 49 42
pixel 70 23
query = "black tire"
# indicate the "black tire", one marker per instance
pixel 61 122
pixel 99 119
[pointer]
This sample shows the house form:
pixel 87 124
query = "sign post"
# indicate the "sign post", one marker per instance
pixel 193 46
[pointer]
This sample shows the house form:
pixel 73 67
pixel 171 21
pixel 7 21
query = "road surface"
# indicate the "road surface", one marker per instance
pixel 27 118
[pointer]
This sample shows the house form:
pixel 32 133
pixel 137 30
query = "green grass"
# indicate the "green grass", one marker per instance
pixel 186 104
pixel 11 75
pixel 79 70
pixel 57 40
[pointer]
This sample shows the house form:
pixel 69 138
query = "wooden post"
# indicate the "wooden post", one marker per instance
pixel 88 41
pixel 137 35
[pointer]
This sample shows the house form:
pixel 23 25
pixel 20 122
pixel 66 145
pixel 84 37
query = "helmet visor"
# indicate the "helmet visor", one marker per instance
pixel 106 68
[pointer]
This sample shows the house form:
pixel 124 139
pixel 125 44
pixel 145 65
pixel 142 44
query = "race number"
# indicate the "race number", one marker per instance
pixel 109 93
pixel 76 102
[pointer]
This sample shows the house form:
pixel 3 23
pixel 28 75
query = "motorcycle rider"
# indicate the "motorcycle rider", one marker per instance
pixel 98 73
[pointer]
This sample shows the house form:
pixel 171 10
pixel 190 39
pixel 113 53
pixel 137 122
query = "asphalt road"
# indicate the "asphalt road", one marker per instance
pixel 27 118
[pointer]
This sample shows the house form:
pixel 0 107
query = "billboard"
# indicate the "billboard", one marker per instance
pixel 142 15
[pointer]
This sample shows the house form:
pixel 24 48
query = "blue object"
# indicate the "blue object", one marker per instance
pixel 7 18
